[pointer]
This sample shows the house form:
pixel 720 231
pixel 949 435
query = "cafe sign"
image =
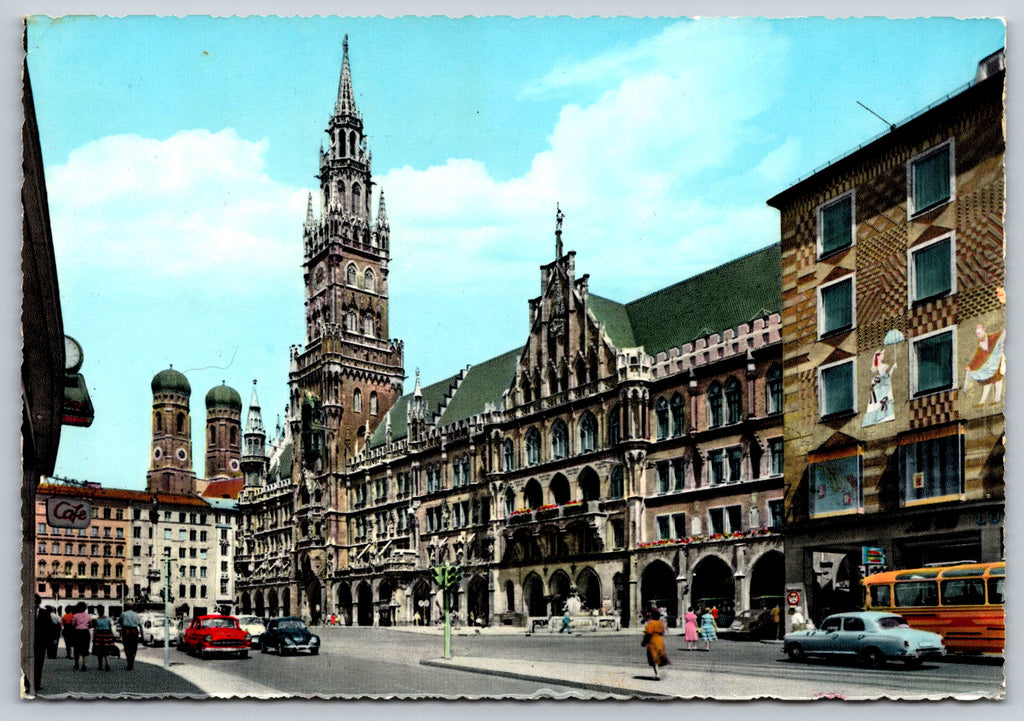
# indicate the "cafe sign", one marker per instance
pixel 68 512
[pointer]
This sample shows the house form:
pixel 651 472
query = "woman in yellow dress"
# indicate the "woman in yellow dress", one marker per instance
pixel 654 641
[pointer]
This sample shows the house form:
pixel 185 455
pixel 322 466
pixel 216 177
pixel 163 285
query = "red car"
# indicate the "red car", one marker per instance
pixel 208 635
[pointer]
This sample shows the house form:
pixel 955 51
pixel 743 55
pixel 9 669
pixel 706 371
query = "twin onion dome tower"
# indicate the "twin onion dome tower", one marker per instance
pixel 229 454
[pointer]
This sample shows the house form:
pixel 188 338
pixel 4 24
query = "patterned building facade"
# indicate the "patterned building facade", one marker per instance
pixel 627 455
pixel 893 315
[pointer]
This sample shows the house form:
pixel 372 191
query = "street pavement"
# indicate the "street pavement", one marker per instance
pixel 508 663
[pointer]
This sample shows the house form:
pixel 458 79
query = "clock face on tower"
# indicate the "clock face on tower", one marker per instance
pixel 72 355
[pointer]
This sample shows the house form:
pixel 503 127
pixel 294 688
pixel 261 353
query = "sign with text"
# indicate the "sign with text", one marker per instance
pixel 68 512
pixel 872 556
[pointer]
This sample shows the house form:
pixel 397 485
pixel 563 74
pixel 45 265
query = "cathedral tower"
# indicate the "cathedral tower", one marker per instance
pixel 223 432
pixel 170 460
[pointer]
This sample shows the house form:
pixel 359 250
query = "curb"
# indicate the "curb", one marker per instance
pixel 617 691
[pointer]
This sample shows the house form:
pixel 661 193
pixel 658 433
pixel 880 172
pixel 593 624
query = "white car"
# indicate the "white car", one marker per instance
pixel 152 630
pixel 253 625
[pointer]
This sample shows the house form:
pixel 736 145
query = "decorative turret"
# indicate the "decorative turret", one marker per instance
pixel 416 414
pixel 254 456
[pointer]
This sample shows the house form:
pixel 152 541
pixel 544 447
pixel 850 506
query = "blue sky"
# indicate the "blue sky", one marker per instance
pixel 178 169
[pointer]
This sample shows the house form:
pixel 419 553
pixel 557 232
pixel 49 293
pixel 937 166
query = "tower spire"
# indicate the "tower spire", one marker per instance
pixel 346 104
pixel 382 214
pixel 309 223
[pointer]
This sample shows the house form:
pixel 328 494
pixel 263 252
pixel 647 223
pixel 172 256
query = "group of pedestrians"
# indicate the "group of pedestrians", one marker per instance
pixel 80 629
pixel 655 629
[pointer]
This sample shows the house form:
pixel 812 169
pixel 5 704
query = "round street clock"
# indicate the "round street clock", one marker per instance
pixel 72 355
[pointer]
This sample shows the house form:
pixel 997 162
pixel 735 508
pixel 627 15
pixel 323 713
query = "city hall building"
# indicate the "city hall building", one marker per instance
pixel 893 322
pixel 625 456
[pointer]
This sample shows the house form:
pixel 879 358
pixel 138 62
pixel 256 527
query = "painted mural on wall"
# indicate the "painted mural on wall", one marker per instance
pixel 986 369
pixel 881 406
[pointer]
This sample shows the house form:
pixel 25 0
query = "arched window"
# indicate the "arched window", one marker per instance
pixel 615 426
pixel 532 447
pixel 81 569
pixel 507 455
pixel 615 485
pixel 588 432
pixel 213 435
pixel 159 420
pixel 465 470
pixel 676 408
pixel 357 197
pixel 351 321
pixel 559 440
pixel 714 405
pixel 357 401
pixel 510 502
pixel 94 569
pixel 774 390
pixel 370 281
pixel 661 415
pixel 350 274
pixel 527 391
pixel 67 568
pixel 233 435
pixel 733 401
pixel 373 403
pixel 368 324
pixel 581 372
pixel 533 496
pixel 352 144
pixel 181 423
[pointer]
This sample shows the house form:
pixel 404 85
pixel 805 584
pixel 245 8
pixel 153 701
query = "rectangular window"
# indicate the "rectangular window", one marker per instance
pixel 776 458
pixel 727 519
pixel 931 269
pixel 735 464
pixel 776 513
pixel 932 467
pixel 678 474
pixel 661 469
pixel 835 225
pixel 167 534
pixel 836 392
pixel 834 483
pixel 917 593
pixel 931 362
pixel 181 534
pixel 931 178
pixel 679 525
pixel 664 528
pixel 716 466
pixel 835 306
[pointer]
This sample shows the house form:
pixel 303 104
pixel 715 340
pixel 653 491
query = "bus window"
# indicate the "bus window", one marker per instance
pixel 880 596
pixel 963 592
pixel 917 593
pixel 995 591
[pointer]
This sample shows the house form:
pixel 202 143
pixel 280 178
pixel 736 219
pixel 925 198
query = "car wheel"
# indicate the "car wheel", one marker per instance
pixel 314 651
pixel 263 647
pixel 796 652
pixel 873 657
pixel 913 661
pixel 280 649
pixel 244 654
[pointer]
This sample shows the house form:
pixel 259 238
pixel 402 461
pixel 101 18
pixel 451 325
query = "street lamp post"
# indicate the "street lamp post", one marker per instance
pixel 167 583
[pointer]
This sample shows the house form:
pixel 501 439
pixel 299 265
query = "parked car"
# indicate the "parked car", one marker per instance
pixel 872 636
pixel 151 631
pixel 254 625
pixel 214 634
pixel 754 623
pixel 289 635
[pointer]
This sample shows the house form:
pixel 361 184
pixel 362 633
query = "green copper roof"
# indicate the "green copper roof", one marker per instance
pixel 484 383
pixel 170 381
pixel 724 297
pixel 615 318
pixel 223 396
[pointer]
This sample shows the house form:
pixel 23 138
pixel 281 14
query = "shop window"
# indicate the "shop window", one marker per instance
pixel 932 467
pixel 834 482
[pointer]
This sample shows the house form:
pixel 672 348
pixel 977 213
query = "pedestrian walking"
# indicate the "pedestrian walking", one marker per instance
pixel 130 628
pixel 68 631
pixel 51 650
pixel 565 622
pixel 45 632
pixel 80 623
pixel 103 640
pixel 708 629
pixel 776 621
pixel 690 628
pixel 654 642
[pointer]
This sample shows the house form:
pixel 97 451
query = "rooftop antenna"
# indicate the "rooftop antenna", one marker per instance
pixel 892 126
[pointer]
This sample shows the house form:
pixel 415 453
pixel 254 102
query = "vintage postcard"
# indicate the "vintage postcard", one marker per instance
pixel 506 358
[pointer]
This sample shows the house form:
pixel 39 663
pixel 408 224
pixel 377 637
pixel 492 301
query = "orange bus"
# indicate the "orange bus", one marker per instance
pixel 963 603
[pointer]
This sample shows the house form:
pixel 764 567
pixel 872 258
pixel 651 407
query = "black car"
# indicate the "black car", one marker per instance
pixel 289 635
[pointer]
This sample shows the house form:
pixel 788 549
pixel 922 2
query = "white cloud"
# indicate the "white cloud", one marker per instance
pixel 185 207
pixel 631 169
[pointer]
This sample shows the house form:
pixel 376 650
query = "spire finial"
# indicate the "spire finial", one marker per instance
pixel 559 217
pixel 346 104
pixel 309 214
pixel 382 214
pixel 417 392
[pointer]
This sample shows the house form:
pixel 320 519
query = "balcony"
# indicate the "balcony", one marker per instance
pixel 561 515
